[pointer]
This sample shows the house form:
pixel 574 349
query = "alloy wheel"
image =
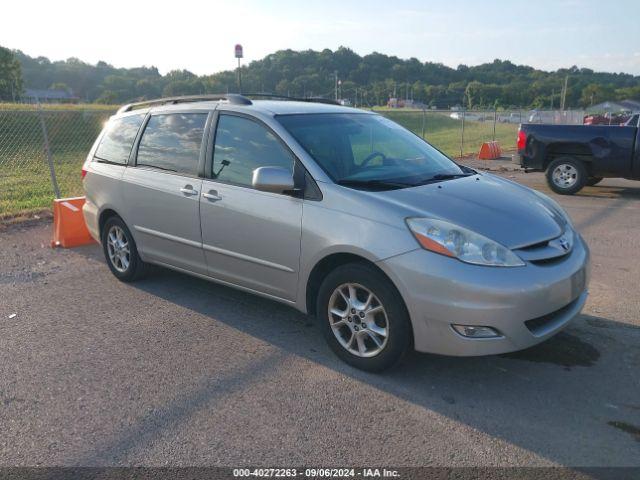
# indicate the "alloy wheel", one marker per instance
pixel 358 320
pixel 565 175
pixel 118 249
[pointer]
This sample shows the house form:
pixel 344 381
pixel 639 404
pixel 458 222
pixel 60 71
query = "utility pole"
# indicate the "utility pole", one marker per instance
pixel 564 93
pixel 336 87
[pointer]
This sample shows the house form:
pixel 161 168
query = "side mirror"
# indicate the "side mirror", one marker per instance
pixel 272 179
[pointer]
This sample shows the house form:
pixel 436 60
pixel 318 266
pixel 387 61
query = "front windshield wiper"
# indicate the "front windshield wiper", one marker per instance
pixel 373 183
pixel 445 176
pixel 449 176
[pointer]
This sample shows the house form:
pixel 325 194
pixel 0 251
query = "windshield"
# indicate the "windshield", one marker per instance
pixel 369 150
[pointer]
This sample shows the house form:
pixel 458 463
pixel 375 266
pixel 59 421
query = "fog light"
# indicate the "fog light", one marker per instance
pixel 474 331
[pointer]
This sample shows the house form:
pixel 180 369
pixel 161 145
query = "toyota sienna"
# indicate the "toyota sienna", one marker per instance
pixel 340 213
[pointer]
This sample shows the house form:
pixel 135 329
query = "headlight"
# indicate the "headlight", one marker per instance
pixel 453 241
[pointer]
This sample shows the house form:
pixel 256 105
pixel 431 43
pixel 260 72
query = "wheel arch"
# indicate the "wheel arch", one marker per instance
pixel 105 215
pixel 577 151
pixel 326 265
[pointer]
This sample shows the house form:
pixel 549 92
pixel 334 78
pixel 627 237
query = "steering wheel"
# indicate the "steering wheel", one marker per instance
pixel 370 157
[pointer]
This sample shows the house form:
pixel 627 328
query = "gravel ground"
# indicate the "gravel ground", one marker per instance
pixel 178 371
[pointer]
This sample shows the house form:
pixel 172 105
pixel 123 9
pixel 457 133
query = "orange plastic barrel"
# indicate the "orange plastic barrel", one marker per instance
pixel 489 151
pixel 69 228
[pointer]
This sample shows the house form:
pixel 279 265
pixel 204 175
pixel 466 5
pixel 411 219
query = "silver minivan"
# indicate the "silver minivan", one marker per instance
pixel 340 213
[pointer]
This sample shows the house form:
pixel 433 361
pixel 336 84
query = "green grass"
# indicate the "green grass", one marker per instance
pixel 29 188
pixel 445 133
pixel 25 182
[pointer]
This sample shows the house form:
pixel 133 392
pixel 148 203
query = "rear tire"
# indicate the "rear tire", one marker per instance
pixel 371 329
pixel 566 175
pixel 593 181
pixel 121 252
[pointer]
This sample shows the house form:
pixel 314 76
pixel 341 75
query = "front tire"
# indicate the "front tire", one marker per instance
pixel 121 252
pixel 566 175
pixel 363 317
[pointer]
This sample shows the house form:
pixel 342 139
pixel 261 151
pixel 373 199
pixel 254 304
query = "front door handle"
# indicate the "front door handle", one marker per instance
pixel 212 195
pixel 188 190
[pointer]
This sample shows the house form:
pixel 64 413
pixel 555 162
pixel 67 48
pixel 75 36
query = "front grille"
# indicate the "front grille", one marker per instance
pixel 534 246
pixel 540 325
pixel 543 253
pixel 549 261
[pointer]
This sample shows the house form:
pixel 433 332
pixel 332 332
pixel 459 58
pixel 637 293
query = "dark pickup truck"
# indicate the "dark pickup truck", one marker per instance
pixel 577 155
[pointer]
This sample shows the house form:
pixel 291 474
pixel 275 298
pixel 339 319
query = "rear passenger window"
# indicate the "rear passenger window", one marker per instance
pixel 118 139
pixel 243 145
pixel 172 142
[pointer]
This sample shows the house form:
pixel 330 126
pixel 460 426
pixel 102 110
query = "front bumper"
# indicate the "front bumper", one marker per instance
pixel 440 291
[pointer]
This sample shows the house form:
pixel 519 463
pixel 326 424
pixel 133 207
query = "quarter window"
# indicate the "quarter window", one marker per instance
pixel 243 145
pixel 118 139
pixel 172 142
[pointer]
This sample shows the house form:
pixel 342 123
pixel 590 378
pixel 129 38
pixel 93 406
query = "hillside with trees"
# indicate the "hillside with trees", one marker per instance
pixel 10 75
pixel 366 80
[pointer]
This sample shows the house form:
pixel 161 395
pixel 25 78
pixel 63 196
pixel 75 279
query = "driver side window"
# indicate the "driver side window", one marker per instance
pixel 241 146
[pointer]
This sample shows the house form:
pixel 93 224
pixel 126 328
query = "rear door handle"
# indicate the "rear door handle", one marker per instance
pixel 188 190
pixel 212 195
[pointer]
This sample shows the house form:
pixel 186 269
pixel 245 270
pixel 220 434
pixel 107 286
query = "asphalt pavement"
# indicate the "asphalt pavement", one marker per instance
pixel 177 371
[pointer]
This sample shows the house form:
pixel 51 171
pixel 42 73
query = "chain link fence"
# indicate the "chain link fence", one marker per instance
pixel 42 148
pixel 460 133
pixel 457 133
pixel 41 153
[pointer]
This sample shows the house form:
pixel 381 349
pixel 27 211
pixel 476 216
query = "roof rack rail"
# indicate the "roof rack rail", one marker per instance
pixel 295 99
pixel 232 98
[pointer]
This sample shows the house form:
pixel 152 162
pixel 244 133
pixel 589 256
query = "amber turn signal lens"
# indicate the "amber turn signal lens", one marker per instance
pixel 432 245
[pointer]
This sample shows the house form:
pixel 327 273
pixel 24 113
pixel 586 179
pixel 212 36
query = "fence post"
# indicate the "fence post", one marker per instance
pixel 462 134
pixel 423 120
pixel 47 151
pixel 495 119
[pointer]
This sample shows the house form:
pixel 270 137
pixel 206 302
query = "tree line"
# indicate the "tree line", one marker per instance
pixel 367 80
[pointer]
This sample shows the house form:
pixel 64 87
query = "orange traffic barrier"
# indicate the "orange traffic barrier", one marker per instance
pixel 490 151
pixel 69 229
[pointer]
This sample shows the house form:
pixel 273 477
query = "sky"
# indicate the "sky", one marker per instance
pixel 200 35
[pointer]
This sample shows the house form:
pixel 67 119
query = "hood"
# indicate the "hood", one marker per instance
pixel 499 209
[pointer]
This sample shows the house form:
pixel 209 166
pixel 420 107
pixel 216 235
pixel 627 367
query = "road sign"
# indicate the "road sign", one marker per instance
pixel 238 51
